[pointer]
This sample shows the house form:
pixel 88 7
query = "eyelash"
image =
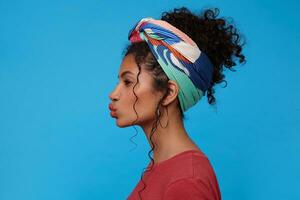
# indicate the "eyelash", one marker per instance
pixel 126 82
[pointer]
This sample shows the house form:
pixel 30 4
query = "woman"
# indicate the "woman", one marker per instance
pixel 169 65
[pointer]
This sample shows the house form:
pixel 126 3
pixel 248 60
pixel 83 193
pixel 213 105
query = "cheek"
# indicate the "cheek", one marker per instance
pixel 146 104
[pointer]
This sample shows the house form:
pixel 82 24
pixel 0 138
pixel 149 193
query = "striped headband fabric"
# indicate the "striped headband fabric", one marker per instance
pixel 179 57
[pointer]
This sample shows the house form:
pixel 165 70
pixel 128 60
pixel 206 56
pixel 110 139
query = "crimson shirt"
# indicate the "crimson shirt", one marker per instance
pixel 185 176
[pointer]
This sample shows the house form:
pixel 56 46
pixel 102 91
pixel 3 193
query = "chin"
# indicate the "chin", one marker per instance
pixel 123 124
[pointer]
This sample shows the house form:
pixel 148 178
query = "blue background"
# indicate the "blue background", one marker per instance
pixel 59 61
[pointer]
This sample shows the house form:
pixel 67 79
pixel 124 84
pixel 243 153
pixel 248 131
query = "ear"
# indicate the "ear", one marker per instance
pixel 172 93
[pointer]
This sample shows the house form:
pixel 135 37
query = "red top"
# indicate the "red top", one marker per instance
pixel 185 176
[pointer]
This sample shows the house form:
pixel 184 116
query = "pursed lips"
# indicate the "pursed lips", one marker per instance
pixel 111 107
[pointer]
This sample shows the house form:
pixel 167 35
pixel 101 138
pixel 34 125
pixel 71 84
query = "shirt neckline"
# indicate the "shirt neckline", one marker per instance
pixel 176 156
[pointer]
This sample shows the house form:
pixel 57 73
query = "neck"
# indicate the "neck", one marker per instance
pixel 168 140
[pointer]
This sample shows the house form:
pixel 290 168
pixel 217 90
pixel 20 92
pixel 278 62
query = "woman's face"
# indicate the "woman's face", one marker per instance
pixel 123 97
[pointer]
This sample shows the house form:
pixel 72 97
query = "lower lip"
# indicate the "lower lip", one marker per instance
pixel 113 113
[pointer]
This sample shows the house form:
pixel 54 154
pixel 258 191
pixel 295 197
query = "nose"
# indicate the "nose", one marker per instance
pixel 114 95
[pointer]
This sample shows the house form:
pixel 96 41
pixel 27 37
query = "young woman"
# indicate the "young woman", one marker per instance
pixel 168 66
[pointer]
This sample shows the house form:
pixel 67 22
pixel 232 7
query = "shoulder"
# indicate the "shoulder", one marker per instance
pixel 188 189
pixel 186 165
pixel 199 184
pixel 202 166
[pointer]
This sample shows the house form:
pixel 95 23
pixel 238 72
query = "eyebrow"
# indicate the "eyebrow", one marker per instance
pixel 125 72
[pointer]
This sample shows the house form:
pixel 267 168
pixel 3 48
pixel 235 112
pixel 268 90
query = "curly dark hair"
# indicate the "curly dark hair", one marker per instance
pixel 216 37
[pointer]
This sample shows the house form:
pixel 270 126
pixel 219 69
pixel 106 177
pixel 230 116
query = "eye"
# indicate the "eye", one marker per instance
pixel 127 82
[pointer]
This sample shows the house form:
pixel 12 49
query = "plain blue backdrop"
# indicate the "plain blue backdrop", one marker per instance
pixel 59 61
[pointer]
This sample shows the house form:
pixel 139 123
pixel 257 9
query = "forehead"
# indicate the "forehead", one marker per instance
pixel 128 66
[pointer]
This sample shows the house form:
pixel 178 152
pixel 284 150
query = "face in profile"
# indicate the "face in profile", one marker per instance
pixel 123 97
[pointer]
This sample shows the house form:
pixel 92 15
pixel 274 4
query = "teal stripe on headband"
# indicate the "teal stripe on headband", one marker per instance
pixel 188 94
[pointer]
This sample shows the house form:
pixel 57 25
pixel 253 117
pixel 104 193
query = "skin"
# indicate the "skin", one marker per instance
pixel 169 140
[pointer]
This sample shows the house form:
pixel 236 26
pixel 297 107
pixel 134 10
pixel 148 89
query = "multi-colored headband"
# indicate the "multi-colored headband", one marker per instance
pixel 179 57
